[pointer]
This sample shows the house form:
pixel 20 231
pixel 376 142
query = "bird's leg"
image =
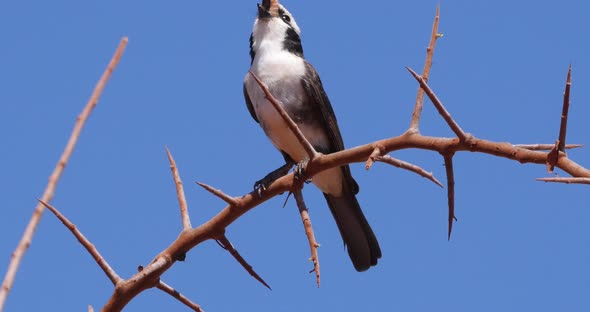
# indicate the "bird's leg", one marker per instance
pixel 261 184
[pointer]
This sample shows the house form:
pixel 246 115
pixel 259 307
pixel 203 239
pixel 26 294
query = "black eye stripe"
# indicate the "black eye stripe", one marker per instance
pixel 292 42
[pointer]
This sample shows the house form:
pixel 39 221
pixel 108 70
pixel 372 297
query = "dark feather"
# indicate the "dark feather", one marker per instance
pixel 361 243
pixel 318 99
pixel 252 53
pixel 292 42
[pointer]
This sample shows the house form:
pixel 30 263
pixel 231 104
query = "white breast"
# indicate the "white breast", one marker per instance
pixel 281 73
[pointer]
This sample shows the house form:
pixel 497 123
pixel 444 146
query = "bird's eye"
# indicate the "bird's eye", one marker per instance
pixel 286 18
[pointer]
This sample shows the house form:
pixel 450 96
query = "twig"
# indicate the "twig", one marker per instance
pixel 440 107
pixel 311 152
pixel 426 72
pixel 566 180
pixel 565 110
pixel 408 166
pixel 545 147
pixel 313 244
pixel 174 293
pixel 226 198
pixel 227 245
pixel 27 237
pixel 450 191
pixel 186 219
pixel 104 265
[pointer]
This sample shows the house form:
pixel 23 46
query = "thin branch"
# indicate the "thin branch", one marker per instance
pixel 227 245
pixel 27 237
pixel 565 110
pixel 174 293
pixel 313 244
pixel 440 107
pixel 186 219
pixel 311 152
pixel 104 265
pixel 426 72
pixel 226 198
pixel 566 180
pixel 450 191
pixel 408 166
pixel 546 147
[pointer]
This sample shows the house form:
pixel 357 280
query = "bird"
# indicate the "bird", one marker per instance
pixel 277 60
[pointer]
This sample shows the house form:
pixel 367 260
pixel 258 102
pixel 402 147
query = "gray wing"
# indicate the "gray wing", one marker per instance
pixel 314 89
pixel 249 103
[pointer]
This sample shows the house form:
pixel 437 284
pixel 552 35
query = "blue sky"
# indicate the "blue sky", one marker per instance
pixel 500 69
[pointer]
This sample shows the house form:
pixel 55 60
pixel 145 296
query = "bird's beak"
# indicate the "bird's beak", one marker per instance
pixel 268 8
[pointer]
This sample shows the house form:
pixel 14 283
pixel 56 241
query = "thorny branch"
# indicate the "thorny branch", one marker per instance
pixel 566 180
pixel 186 220
pixel 450 191
pixel 408 166
pixel 313 244
pixel 104 265
pixel 226 198
pixel 565 110
pixel 415 122
pixel 210 230
pixel 227 245
pixel 559 148
pixel 440 107
pixel 546 147
pixel 446 146
pixel 174 293
pixel 27 237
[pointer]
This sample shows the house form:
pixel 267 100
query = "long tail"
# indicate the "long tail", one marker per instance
pixel 356 232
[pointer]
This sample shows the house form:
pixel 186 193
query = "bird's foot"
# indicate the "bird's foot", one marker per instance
pixel 300 170
pixel 263 183
pixel 260 186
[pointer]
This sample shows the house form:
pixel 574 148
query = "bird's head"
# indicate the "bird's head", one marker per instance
pixel 275 28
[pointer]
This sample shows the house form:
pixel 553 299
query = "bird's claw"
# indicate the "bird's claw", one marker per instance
pixel 260 186
pixel 300 170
